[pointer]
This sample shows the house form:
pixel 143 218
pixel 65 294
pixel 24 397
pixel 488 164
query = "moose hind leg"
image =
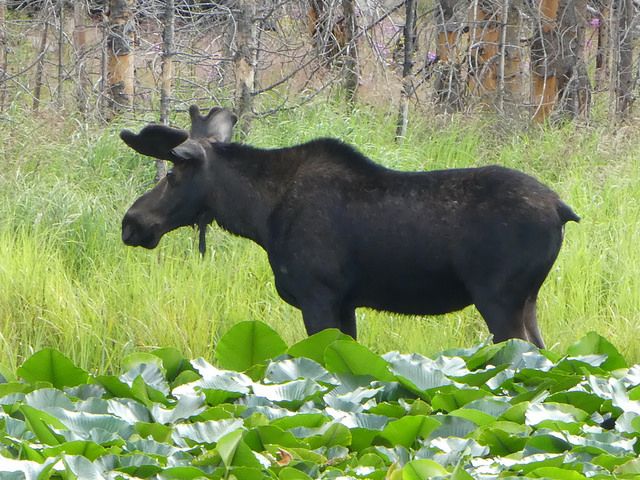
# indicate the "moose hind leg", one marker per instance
pixel 504 319
pixel 531 322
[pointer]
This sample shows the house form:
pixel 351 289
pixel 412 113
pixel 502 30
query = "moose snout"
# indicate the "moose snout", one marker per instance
pixel 136 234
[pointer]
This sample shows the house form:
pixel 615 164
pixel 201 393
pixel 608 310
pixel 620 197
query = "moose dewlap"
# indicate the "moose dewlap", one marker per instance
pixel 343 232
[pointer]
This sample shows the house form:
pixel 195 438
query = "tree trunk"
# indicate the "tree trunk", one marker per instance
pixel 511 93
pixel 573 89
pixel 245 60
pixel 59 89
pixel 407 68
pixel 624 60
pixel 351 50
pixel 602 45
pixel 450 26
pixel 326 34
pixel 42 50
pixel 120 39
pixel 484 53
pixel 544 55
pixel 80 46
pixel 4 58
pixel 166 76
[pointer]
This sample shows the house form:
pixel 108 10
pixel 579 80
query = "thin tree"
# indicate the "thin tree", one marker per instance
pixel 4 57
pixel 245 60
pixel 407 68
pixel 327 35
pixel 544 52
pixel 60 53
pixel 511 94
pixel 120 40
pixel 450 31
pixel 80 46
pixel 42 50
pixel 351 73
pixel 601 21
pixel 166 75
pixel 484 51
pixel 623 84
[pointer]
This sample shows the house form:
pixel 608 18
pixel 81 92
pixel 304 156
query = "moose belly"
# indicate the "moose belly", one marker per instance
pixel 416 294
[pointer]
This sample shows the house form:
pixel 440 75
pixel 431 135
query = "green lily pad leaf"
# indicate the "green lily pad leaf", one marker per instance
pixel 417 372
pixel 301 420
pixel 128 410
pixel 475 416
pixel 115 387
pixel 313 347
pixel 297 368
pixel 520 354
pixel 632 467
pixel 247 344
pixel 51 366
pixel 294 392
pixel 46 398
pixel 453 427
pixel 83 468
pixel 88 450
pixel 610 462
pixel 586 401
pixel 479 378
pixel 504 438
pixel 24 469
pixel 423 470
pixel 452 450
pixel 187 406
pixel 603 442
pixel 258 438
pixel 545 443
pixel 234 452
pixel 594 344
pixel 335 434
pixel 290 473
pixel 246 473
pixel 205 432
pixel 407 430
pixel 41 423
pixel 358 420
pixel 347 356
pixel 173 362
pixel 351 401
pixel 449 401
pixel 150 447
pixel 84 426
pixel 150 373
pixel 216 380
pixel 559 412
pixel 181 473
pixel 160 433
pixel 553 473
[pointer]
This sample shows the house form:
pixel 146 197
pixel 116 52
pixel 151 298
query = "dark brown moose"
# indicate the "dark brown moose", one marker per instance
pixel 343 232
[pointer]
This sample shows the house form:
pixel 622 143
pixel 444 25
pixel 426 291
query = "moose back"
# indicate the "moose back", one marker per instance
pixel 343 232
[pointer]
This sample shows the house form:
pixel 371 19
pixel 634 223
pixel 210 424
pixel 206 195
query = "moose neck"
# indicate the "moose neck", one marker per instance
pixel 248 185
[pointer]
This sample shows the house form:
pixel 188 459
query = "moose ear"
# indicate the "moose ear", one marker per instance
pixel 189 152
pixel 155 140
pixel 217 125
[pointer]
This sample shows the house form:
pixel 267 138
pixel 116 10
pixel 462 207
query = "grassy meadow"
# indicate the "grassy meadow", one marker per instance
pixel 67 281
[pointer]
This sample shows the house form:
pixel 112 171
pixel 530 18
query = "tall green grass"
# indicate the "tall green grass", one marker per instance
pixel 67 281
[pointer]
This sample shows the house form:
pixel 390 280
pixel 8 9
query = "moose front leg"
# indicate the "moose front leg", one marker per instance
pixel 325 310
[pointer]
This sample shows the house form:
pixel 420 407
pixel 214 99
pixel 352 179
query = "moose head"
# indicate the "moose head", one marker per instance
pixel 178 199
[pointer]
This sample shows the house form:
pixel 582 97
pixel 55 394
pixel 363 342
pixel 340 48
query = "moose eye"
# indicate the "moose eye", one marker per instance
pixel 171 177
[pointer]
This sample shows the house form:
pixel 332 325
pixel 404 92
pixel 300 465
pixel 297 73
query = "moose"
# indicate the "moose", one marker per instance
pixel 342 232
